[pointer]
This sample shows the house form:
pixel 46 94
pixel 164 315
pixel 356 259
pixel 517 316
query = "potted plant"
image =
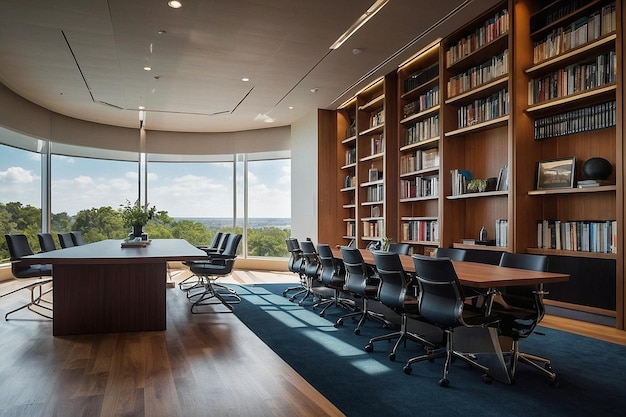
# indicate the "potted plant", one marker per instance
pixel 137 216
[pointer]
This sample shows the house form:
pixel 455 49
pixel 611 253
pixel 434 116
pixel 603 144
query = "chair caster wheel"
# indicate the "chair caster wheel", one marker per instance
pixel 553 383
pixel 339 323
pixel 444 382
pixel 547 367
pixel 357 331
pixel 487 379
pixel 392 357
pixel 407 369
pixel 322 314
pixel 369 347
pixel 292 299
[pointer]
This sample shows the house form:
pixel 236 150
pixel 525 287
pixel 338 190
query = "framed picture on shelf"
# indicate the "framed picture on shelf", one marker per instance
pixel 502 183
pixel 556 173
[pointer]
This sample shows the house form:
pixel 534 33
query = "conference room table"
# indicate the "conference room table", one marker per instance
pixel 103 287
pixel 484 342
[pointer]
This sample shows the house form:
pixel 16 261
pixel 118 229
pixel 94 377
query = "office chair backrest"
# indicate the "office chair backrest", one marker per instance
pixel 312 263
pixel 77 238
pixel 330 273
pixel 296 260
pixel 230 249
pixel 399 248
pixel 18 248
pixel 394 281
pixel 223 242
pixel 65 240
pixel 441 296
pixel 357 273
pixel 525 296
pixel 217 237
pixel 46 242
pixel 451 253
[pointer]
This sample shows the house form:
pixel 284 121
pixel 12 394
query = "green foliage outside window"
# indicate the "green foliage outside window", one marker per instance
pixel 107 223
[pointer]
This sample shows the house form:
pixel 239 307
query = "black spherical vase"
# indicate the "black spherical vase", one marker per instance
pixel 597 168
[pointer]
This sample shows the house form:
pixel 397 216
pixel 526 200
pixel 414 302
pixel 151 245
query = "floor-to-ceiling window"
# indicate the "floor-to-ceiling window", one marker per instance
pixel 20 189
pixel 194 195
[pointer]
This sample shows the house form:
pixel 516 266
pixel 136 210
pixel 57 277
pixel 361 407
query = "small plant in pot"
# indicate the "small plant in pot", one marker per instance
pixel 137 216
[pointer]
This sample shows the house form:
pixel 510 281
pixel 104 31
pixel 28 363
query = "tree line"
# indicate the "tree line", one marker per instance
pixel 106 222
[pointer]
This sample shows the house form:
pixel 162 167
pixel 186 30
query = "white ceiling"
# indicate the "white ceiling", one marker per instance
pixel 85 58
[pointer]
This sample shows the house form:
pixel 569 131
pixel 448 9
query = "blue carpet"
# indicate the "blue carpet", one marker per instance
pixel 591 372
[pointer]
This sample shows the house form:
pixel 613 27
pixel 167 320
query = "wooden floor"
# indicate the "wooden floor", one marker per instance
pixel 208 364
pixel 202 365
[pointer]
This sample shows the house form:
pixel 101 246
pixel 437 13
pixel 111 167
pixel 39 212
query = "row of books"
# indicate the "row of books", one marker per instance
pixel 502 232
pixel 497 105
pixel 377 144
pixel 375 193
pixel 420 230
pixel 425 101
pixel 459 182
pixel 421 159
pixel 350 229
pixel 574 79
pixel 349 181
pixel 350 156
pixel 421 77
pixel 493 28
pixel 422 130
pixel 378 118
pixel 373 228
pixel 556 11
pixel 481 74
pixel 598 236
pixel 584 30
pixel 420 187
pixel 586 119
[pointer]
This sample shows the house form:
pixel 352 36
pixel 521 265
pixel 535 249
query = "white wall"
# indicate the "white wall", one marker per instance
pixel 304 178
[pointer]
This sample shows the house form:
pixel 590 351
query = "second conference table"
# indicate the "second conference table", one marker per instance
pixel 103 288
pixel 484 341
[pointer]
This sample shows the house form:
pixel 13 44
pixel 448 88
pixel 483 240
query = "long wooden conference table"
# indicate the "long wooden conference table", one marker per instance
pixel 485 342
pixel 104 288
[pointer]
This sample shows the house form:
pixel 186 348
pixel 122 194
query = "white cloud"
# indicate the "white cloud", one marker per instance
pixel 17 175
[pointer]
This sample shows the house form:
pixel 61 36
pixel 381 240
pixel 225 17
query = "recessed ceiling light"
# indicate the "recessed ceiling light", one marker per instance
pixel 141 107
pixel 315 90
pixel 245 79
pixel 290 107
pixel 174 4
pixel 161 32
pixel 147 68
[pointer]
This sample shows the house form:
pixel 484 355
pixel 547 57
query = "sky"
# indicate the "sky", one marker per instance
pixel 182 189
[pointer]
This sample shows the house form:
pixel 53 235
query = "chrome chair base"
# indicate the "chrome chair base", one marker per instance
pixel 402 335
pixel 36 300
pixel 335 301
pixel 450 355
pixel 364 314
pixel 543 365
pixel 212 291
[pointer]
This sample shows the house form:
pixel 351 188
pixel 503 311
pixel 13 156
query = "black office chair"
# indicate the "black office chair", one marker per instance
pixel 396 293
pixel 46 242
pixel 217 265
pixel 332 275
pixel 77 238
pixel 65 240
pixel 18 248
pixel 454 254
pixel 193 281
pixel 362 283
pixel 311 269
pixel 296 265
pixel 441 302
pixel 399 248
pixel 217 246
pixel 522 308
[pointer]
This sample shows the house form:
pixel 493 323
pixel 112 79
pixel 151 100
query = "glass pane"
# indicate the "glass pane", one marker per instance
pixel 269 207
pixel 20 195
pixel 198 198
pixel 86 194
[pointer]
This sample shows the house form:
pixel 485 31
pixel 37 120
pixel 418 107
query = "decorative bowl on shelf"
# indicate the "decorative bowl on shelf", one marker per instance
pixel 597 168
